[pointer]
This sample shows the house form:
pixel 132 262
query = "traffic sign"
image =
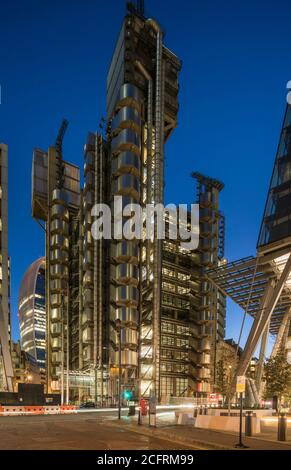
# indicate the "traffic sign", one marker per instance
pixel 241 384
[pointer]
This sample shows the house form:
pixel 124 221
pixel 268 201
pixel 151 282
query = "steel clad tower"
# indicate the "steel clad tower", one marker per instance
pixel 56 201
pixel 128 306
pixel 142 107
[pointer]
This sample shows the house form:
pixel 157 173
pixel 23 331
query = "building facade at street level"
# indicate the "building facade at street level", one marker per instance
pixel 6 371
pixel 228 356
pixel 25 367
pixel 152 294
pixel 32 312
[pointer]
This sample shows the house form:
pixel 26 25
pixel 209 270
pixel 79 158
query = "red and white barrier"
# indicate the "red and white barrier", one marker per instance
pixel 67 409
pixel 36 410
pixel 51 410
pixel 12 410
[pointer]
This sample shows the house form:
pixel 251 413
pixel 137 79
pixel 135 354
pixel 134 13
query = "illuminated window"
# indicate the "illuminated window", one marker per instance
pixel 168 272
pixel 168 327
pixel 168 340
pixel 167 353
pixel 168 299
pixel 183 290
pixel 183 276
pixel 167 386
pixel 182 330
pixel 182 343
pixel 168 286
pixel 181 386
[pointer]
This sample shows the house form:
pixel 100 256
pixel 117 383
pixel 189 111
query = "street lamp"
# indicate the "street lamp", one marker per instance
pixel 62 349
pixel 229 388
pixel 118 330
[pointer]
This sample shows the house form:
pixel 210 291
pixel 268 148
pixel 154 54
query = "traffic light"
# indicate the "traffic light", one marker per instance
pixel 128 395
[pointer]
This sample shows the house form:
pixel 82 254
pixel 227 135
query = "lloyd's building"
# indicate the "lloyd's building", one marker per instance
pixel 145 304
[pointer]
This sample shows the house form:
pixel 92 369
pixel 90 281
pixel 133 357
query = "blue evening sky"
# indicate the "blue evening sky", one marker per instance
pixel 54 56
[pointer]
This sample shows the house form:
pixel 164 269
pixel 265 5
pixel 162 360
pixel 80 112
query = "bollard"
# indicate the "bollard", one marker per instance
pixel 205 411
pixel 131 410
pixel 195 412
pixel 200 411
pixel 282 427
pixel 249 424
pixel 139 417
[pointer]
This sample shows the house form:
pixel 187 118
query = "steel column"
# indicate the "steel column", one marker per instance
pixel 282 333
pixel 269 303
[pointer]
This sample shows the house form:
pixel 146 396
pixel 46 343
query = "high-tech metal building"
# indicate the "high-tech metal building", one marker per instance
pixel 142 107
pixel 32 312
pixel 168 333
pixel 149 293
pixel 6 371
pixel 56 201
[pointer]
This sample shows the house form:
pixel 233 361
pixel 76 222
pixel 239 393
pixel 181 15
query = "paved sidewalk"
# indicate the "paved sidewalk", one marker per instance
pixel 201 438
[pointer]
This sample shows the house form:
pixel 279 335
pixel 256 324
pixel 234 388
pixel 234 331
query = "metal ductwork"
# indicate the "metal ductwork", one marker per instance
pixel 88 321
pixel 157 180
pixel 126 163
pixel 58 276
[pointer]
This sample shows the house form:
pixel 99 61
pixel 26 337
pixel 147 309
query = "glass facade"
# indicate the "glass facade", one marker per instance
pixel 32 314
pixel 276 223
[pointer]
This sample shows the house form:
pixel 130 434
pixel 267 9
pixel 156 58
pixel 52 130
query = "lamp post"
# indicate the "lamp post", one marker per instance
pixel 118 329
pixel 67 350
pixel 229 388
pixel 62 350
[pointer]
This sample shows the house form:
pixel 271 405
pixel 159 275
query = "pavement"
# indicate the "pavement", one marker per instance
pixel 203 439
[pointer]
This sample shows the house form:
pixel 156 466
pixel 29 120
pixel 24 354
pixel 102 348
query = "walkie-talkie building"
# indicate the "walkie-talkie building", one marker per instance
pixel 31 312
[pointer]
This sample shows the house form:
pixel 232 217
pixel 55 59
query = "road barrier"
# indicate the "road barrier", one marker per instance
pixel 12 410
pixel 67 409
pixel 36 410
pixel 51 410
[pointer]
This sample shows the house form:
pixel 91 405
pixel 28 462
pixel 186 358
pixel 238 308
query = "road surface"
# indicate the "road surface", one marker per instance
pixel 86 431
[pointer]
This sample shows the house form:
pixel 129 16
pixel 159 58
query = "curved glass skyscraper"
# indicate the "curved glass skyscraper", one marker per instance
pixel 31 311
